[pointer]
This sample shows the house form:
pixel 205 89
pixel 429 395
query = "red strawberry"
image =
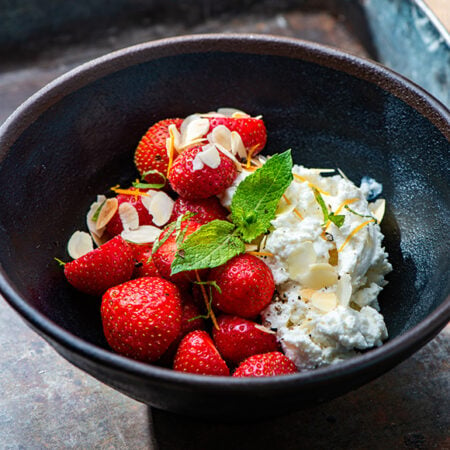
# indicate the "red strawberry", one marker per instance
pixel 197 354
pixel 142 317
pixel 237 338
pixel 165 254
pixel 151 153
pixel 110 264
pixel 144 264
pixel 205 210
pixel 246 283
pixel 265 365
pixel 188 313
pixel 201 183
pixel 114 226
pixel 252 131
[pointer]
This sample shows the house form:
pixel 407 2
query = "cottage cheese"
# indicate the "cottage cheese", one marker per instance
pixel 327 284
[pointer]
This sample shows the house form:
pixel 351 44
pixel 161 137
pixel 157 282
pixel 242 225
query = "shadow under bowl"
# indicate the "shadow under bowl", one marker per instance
pixel 76 137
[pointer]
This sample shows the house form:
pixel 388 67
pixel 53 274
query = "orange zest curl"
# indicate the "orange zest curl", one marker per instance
pixel 136 192
pixel 260 253
pixel 296 211
pixel 359 227
pixel 250 154
pixel 312 185
pixel 171 150
pixel 206 299
pixel 349 201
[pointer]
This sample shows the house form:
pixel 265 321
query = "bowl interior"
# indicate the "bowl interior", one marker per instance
pixel 84 143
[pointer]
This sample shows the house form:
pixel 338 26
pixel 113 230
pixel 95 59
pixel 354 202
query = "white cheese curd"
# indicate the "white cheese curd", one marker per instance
pixel 327 277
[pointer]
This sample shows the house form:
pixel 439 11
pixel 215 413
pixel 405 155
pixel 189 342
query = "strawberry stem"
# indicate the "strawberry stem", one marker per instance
pixel 205 297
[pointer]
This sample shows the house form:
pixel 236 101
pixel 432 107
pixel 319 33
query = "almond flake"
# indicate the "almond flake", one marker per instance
pixel 318 276
pixel 107 212
pixel 377 208
pixel 344 289
pixel 161 208
pixel 92 226
pixel 187 121
pixel 232 112
pixel 300 260
pixel 79 244
pixel 129 216
pixel 176 136
pixel 196 129
pixel 262 244
pixel 145 234
pixel 197 163
pixel 264 329
pixel 233 158
pixel 146 200
pixel 324 301
pixel 237 146
pixel 306 294
pixel 221 135
pixel 251 247
pixel 99 240
pixel 210 156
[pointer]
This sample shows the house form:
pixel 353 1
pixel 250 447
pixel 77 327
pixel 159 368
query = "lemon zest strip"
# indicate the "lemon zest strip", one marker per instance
pixel 312 185
pixel 136 193
pixel 260 253
pixel 349 201
pixel 171 150
pixel 358 228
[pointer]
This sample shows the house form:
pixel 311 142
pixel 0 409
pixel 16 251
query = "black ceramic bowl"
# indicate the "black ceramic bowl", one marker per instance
pixel 75 138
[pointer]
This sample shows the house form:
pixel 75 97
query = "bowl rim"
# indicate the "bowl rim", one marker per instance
pixel 391 352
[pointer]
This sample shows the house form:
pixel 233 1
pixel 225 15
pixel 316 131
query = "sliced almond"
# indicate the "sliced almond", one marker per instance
pixel 92 226
pixel 187 121
pixel 251 247
pixel 333 256
pixel 306 294
pixel 344 289
pixel 264 329
pixel 98 240
pixel 230 155
pixel 161 208
pixel 79 244
pixel 220 135
pixel 196 129
pixel 318 276
pixel 146 200
pixel 237 146
pixel 319 171
pixel 377 208
pixel 300 259
pixel 173 139
pixel 262 244
pixel 210 156
pixel 107 212
pixel 197 163
pixel 324 301
pixel 129 216
pixel 342 174
pixel 145 234
pixel 231 112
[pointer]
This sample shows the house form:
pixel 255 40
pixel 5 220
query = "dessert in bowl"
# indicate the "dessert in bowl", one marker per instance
pixel 76 136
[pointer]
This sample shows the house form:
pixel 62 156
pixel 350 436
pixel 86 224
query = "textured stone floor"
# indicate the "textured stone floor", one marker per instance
pixel 45 402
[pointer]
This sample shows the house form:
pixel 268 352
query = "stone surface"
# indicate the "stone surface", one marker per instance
pixel 45 402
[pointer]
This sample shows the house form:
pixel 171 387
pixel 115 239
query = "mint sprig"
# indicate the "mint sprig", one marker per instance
pixel 360 215
pixel 338 219
pixel 253 207
pixel 143 185
pixel 257 196
pixel 212 245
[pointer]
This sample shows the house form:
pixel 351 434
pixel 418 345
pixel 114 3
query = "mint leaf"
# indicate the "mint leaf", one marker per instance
pixel 257 196
pixel 210 246
pixel 338 220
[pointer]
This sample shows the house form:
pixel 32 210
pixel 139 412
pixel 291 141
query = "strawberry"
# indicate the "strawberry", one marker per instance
pixel 114 226
pixel 110 264
pixel 265 365
pixel 203 182
pixel 252 130
pixel 205 210
pixel 190 321
pixel 151 152
pixel 165 254
pixel 144 265
pixel 237 338
pixel 141 317
pixel 246 284
pixel 197 354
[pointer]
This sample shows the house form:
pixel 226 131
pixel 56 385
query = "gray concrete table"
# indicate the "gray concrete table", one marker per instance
pixel 45 402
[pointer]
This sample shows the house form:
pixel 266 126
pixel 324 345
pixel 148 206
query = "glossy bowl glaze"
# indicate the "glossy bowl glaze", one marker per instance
pixel 75 138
